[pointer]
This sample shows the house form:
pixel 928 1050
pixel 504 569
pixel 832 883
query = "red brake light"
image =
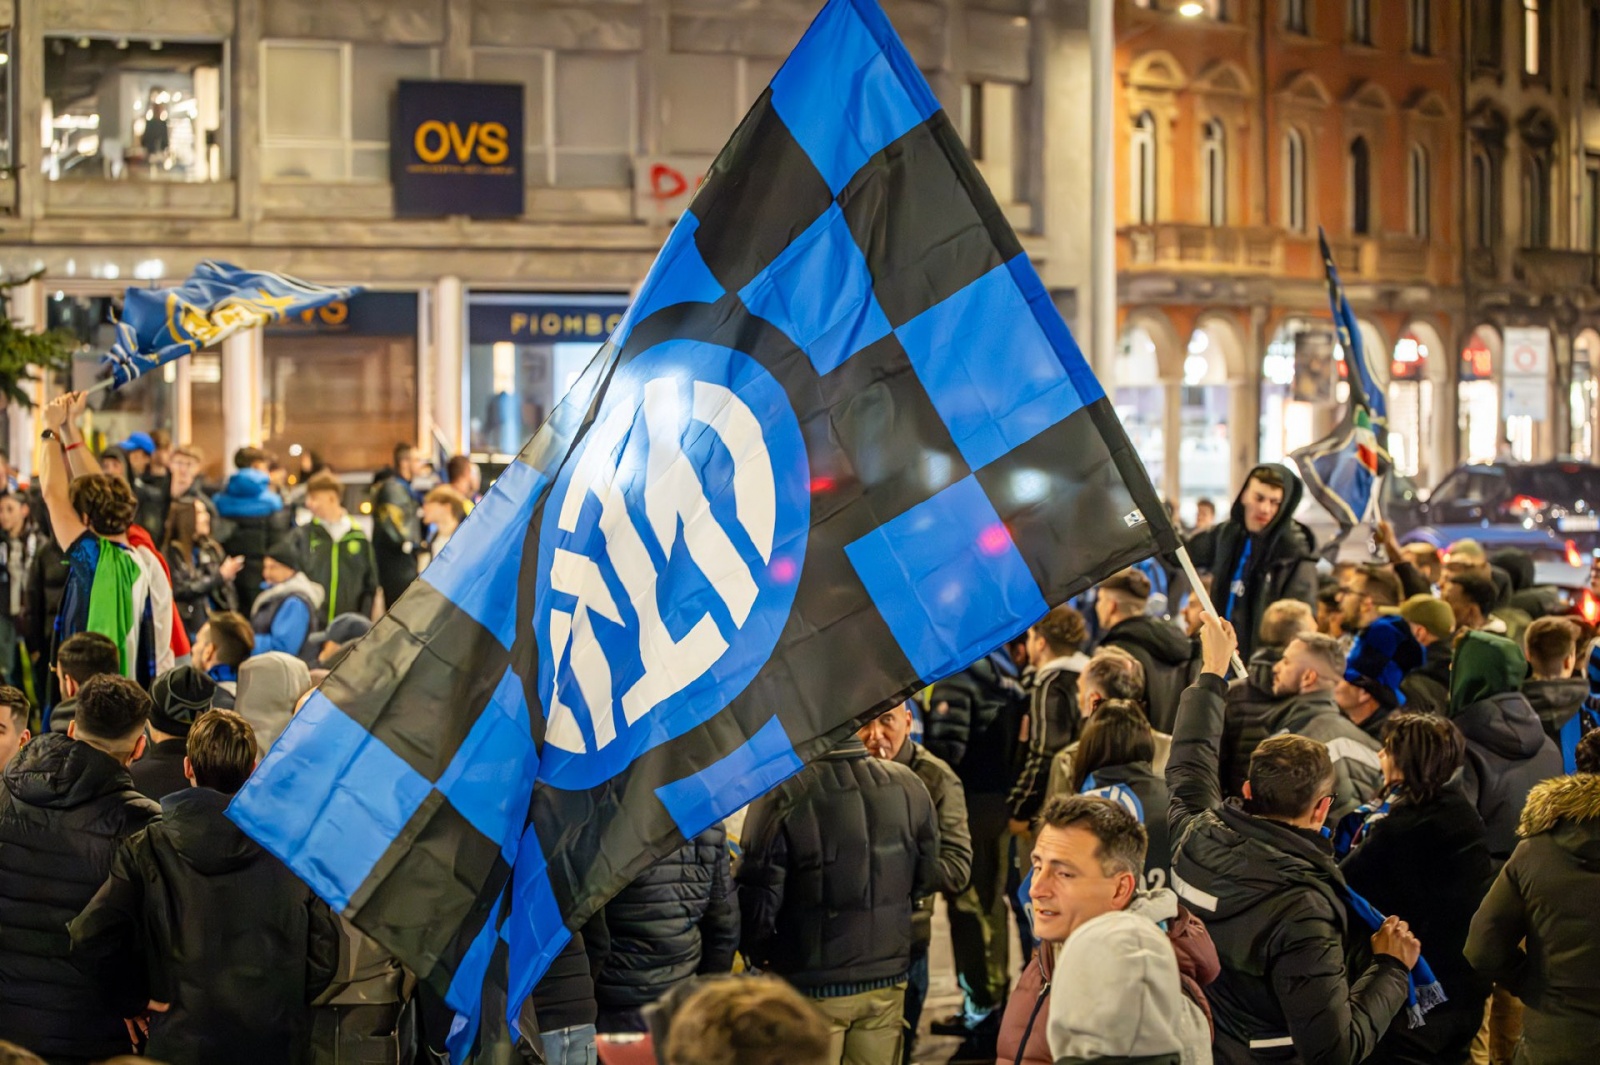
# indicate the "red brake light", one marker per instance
pixel 1574 559
pixel 1528 503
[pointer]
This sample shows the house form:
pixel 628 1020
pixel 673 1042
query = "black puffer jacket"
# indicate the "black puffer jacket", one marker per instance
pixel 1282 563
pixel 1507 754
pixel 1534 932
pixel 972 720
pixel 1555 701
pixel 564 995
pixel 195 914
pixel 1251 708
pixel 1169 659
pixel 1269 895
pixel 1428 864
pixel 833 859
pixel 1427 688
pixel 64 808
pixel 678 918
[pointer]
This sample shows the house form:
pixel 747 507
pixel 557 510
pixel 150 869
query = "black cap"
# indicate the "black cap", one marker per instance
pixel 287 552
pixel 180 695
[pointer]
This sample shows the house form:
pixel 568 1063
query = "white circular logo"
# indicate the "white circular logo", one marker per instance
pixel 669 553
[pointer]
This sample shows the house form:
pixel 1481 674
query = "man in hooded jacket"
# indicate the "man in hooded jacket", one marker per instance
pixel 1507 749
pixel 1261 554
pixel 1264 880
pixel 1167 655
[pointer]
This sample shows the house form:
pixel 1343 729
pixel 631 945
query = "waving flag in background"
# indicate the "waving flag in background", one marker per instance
pixel 1343 469
pixel 840 446
pixel 217 301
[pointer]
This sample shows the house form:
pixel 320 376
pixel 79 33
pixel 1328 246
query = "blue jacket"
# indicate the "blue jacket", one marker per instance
pixel 248 494
pixel 282 616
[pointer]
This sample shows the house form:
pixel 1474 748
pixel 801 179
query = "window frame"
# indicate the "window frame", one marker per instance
pixel 1143 169
pixel 1294 181
pixel 1358 17
pixel 1589 200
pixel 1535 37
pixel 1484 191
pixel 347 141
pixel 1297 17
pixel 1359 181
pixel 1421 27
pixel 1419 201
pixel 1536 200
pixel 1214 172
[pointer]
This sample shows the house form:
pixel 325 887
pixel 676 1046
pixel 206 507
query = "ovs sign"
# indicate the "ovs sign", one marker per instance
pixel 457 149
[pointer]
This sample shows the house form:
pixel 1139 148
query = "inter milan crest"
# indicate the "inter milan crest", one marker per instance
pixel 669 553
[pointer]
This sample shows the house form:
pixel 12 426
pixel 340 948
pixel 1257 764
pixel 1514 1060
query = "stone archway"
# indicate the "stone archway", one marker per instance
pixel 1149 363
pixel 1419 375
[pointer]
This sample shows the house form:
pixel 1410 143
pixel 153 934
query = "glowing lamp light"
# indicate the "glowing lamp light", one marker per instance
pixel 1589 607
pixel 1574 558
pixel 1191 9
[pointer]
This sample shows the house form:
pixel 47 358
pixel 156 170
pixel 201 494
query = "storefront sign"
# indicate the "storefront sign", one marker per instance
pixel 1527 352
pixel 1313 367
pixel 536 319
pixel 457 149
pixel 1526 384
pixel 364 314
pixel 663 186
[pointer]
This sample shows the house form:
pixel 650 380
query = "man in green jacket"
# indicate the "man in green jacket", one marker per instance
pixel 338 555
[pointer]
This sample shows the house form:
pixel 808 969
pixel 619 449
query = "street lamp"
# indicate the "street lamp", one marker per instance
pixel 1191 9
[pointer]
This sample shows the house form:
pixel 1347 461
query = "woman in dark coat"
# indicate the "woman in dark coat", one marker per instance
pixel 1426 861
pixel 202 573
pixel 1114 757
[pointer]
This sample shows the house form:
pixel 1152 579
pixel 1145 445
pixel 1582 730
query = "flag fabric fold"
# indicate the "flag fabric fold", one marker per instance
pixel 217 301
pixel 841 445
pixel 1343 470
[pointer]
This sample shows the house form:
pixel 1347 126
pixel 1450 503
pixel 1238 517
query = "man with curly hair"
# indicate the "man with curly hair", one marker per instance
pixel 108 587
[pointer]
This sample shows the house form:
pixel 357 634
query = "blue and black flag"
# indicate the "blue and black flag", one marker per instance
pixel 1342 471
pixel 841 445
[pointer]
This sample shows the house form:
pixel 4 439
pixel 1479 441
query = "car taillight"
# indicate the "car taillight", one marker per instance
pixel 1589 607
pixel 1528 503
pixel 1574 558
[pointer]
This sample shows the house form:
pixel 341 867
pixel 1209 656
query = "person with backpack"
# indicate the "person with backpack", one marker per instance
pixel 397 524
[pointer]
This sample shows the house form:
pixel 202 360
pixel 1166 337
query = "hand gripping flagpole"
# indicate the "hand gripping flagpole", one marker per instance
pixel 1205 601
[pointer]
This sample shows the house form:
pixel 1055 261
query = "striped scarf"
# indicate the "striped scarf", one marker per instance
pixel 1424 991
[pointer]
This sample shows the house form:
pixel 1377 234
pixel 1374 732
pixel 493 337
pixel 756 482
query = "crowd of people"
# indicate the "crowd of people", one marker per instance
pixel 1381 842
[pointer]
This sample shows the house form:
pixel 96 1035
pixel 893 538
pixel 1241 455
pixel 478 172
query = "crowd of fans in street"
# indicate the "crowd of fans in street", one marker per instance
pixel 1380 843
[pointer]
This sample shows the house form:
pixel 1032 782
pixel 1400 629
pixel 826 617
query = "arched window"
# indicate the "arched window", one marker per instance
pixel 1214 172
pixel 1484 197
pixel 1360 187
pixel 1419 198
pixel 1294 181
pixel 1536 201
pixel 1142 169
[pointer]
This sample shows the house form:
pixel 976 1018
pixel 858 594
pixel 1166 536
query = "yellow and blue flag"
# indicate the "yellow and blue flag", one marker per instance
pixel 217 301
pixel 840 446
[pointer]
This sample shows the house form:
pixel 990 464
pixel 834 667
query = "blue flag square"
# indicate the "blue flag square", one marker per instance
pixel 948 579
pixel 819 292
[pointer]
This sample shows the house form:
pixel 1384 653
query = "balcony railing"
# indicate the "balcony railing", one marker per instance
pixel 1177 246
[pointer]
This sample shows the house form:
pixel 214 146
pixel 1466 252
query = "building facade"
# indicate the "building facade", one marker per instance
pixel 148 137
pixel 1526 375
pixel 1244 126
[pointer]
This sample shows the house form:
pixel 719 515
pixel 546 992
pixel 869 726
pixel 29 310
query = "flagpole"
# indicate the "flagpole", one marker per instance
pixel 1205 601
pixel 100 386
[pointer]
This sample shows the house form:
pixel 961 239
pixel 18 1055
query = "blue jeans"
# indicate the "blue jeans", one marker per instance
pixel 916 995
pixel 570 1046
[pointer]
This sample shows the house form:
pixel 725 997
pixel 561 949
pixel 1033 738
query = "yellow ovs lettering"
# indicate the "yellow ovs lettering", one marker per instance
pixel 434 140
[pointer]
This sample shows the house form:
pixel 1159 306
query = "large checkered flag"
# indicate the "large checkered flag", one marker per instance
pixel 840 446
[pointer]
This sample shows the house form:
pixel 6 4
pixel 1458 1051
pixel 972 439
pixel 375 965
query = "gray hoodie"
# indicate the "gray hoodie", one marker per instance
pixel 269 687
pixel 1116 992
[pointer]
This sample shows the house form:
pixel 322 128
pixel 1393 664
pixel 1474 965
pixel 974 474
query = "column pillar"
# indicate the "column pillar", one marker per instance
pixel 449 359
pixel 241 392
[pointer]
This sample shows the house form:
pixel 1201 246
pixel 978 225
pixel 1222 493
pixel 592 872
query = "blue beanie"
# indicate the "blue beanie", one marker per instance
pixel 1383 654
